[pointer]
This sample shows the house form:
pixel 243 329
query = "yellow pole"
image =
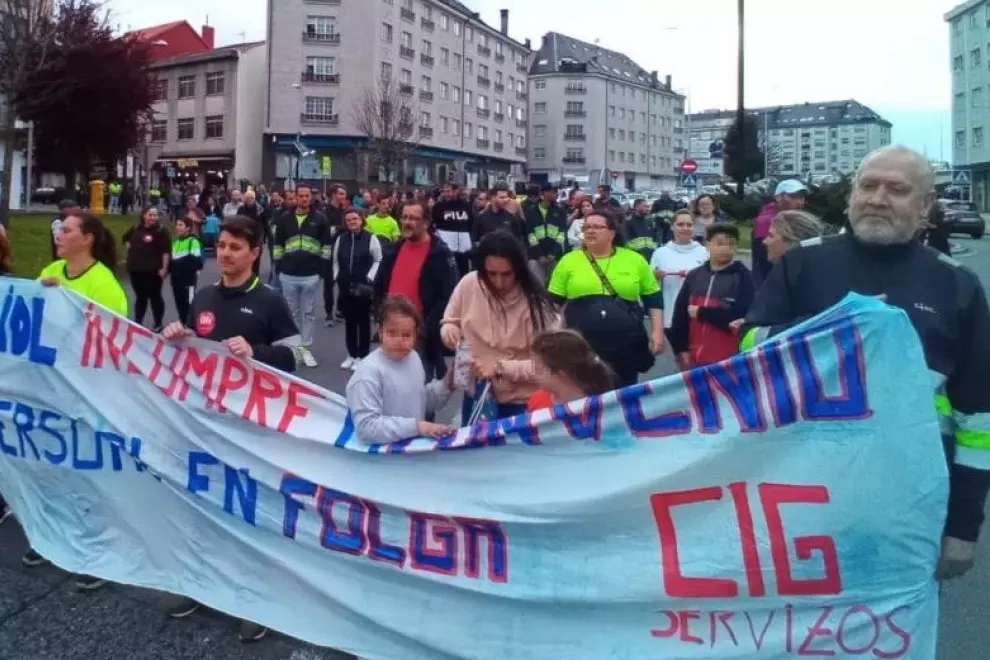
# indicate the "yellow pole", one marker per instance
pixel 96 197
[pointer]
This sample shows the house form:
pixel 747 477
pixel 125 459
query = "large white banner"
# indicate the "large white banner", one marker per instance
pixel 788 502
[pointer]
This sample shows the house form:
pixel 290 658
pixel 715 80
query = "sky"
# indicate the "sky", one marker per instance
pixel 891 55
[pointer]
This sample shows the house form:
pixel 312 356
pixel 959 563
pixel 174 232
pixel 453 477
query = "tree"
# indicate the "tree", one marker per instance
pixel 101 98
pixel 384 114
pixel 743 159
pixel 25 47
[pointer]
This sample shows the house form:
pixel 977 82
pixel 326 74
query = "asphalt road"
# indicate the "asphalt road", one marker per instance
pixel 42 617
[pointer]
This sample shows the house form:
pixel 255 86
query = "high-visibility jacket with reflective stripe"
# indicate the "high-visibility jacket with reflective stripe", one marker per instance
pixel 304 247
pixel 947 306
pixel 546 230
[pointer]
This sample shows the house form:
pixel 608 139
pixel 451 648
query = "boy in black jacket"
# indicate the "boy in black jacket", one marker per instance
pixel 712 303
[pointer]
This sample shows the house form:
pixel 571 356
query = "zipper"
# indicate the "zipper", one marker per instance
pixel 350 259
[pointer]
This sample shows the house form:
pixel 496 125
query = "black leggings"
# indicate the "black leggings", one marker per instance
pixel 357 323
pixel 148 289
pixel 183 291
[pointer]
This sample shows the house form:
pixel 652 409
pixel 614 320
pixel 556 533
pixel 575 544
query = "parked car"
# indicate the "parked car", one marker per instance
pixel 963 217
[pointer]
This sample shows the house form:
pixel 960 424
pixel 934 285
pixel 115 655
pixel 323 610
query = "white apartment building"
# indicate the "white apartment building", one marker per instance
pixel 969 48
pixel 208 117
pixel 463 81
pixel 807 139
pixel 596 116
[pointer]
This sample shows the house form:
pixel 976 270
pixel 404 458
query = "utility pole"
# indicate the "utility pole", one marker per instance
pixel 741 82
pixel 29 157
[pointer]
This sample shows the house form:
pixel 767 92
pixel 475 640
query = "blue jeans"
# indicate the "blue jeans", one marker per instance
pixel 504 409
pixel 300 294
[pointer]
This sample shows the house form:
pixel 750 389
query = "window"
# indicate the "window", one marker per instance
pixel 611 133
pixel 482 132
pixel 498 107
pixel 319 108
pixel 386 71
pixel 444 91
pixel 540 130
pixel 405 77
pixel 498 135
pixel 159 90
pixel 425 119
pixel 386 33
pixel 574 129
pixel 321 26
pixel 540 108
pixel 468 98
pixel 978 137
pixel 406 41
pixel 540 84
pixel 159 130
pixel 611 110
pixel 622 156
pixel 539 153
pixel 469 34
pixel 521 141
pixel 482 102
pixel 456 127
pixel 498 51
pixel 468 132
pixel 214 127
pixel 976 99
pixel 444 21
pixel 574 154
pixel 455 94
pixel 315 66
pixel 957 63
pixel 457 61
pixel 457 27
pixel 611 155
pixel 468 65
pixel 426 83
pixel 427 12
pixel 499 78
pixel 186 129
pixel 972 20
pixel 483 70
pixel 187 87
pixel 575 107
pixel 444 125
pixel 974 57
pixel 427 48
pixel 960 139
pixel 445 56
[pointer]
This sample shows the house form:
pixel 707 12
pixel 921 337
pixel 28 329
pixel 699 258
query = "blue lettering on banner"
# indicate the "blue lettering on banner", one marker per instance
pixel 21 321
pixel 237 484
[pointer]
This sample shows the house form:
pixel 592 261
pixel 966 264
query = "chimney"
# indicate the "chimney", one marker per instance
pixel 529 44
pixel 209 35
pixel 653 76
pixel 504 14
pixel 668 82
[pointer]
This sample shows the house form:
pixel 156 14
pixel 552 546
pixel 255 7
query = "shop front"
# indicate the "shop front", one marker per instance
pixel 204 171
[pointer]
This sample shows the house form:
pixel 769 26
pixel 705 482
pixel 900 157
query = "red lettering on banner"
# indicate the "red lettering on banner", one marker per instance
pixel 772 497
pixel 817 629
pixel 227 384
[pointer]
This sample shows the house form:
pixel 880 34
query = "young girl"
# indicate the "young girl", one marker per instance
pixel 567 369
pixel 187 261
pixel 386 397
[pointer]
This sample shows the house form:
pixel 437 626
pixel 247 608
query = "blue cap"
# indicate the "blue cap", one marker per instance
pixel 790 187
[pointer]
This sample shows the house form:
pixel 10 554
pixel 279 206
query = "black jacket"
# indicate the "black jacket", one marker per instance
pixel 436 282
pixel 357 257
pixel 643 234
pixel 545 236
pixel 722 296
pixel 944 301
pixel 452 221
pixel 257 213
pixel 302 249
pixel 489 221
pixel 254 311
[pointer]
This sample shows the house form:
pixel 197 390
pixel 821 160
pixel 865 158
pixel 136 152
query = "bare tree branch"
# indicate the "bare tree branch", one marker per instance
pixel 384 114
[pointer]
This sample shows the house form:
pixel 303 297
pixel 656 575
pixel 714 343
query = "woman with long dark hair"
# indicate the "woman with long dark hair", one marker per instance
pixel 493 316
pixel 149 249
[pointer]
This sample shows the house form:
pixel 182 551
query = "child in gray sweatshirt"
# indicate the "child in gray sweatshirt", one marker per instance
pixel 386 395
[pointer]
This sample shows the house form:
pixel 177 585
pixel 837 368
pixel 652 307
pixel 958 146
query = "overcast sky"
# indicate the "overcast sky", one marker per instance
pixel 891 55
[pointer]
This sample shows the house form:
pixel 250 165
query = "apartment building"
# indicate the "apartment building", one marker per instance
pixel 595 115
pixel 462 81
pixel 969 47
pixel 808 139
pixel 208 117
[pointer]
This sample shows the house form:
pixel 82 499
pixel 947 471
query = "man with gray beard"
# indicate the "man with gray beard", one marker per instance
pixel 891 196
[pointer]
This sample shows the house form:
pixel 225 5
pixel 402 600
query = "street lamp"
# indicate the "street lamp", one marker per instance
pixel 741 99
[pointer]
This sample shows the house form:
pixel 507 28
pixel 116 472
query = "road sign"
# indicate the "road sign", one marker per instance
pixel 326 166
pixel 962 178
pixel 689 166
pixel 689 181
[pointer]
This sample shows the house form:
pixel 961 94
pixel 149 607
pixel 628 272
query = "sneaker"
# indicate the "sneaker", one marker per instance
pixel 338 317
pixel 329 322
pixel 179 607
pixel 32 559
pixel 5 513
pixel 307 357
pixel 251 632
pixel 89 582
pixel 347 364
pixel 355 363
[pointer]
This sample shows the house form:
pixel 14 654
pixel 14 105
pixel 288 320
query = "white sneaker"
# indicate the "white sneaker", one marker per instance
pixel 307 357
pixel 347 364
pixel 355 363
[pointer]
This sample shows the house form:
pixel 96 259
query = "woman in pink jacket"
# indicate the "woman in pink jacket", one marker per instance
pixel 493 316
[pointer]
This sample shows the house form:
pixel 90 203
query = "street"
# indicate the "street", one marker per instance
pixel 42 616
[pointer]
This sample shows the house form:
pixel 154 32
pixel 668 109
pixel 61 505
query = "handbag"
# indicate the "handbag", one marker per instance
pixel 620 306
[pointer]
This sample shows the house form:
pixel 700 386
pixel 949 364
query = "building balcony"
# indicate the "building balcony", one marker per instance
pixel 498 146
pixel 332 38
pixel 405 90
pixel 575 113
pixel 484 50
pixel 321 119
pixel 426 60
pixel 427 24
pixel 575 90
pixel 407 15
pixel 521 96
pixel 426 132
pixel 407 52
pixel 520 151
pixel 426 96
pixel 311 77
pixel 484 113
pixel 484 82
pixel 499 88
pixel 575 137
pixel 483 144
pixel 574 160
pixel 521 68
pixel 500 58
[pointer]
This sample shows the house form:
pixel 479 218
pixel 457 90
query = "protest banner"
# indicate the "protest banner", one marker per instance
pixel 787 502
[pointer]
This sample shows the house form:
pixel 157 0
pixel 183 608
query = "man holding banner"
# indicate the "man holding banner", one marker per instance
pixel 892 192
